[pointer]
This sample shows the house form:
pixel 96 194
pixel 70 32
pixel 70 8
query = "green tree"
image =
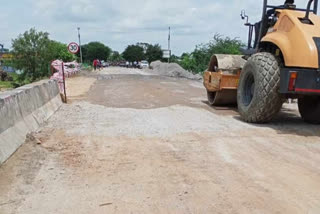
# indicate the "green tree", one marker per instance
pixel 29 50
pixel 153 53
pixel 33 52
pixel 144 45
pixel 57 50
pixel 133 53
pixel 115 57
pixel 95 50
pixel 174 59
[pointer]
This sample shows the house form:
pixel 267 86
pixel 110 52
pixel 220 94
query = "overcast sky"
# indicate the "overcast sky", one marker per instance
pixel 118 23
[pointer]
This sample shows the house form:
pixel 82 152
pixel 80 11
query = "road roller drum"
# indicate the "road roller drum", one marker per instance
pixel 222 78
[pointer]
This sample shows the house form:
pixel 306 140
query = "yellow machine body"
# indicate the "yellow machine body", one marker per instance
pixel 295 39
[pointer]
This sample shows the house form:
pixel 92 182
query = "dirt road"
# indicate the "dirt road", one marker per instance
pixel 129 142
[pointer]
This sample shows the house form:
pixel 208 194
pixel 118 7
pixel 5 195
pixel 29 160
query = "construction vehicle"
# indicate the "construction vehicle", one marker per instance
pixel 283 61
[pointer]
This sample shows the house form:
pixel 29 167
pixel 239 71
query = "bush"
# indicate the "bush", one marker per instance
pixel 3 76
pixel 198 60
pixel 10 78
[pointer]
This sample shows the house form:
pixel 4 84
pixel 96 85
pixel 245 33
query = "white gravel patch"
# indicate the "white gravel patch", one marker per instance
pixel 121 70
pixel 158 69
pixel 170 83
pixel 197 85
pixel 84 118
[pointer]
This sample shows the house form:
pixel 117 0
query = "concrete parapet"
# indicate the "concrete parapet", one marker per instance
pixel 23 110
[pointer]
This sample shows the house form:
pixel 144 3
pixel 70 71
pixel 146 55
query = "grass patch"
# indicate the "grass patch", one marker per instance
pixel 15 83
pixel 12 84
pixel 5 85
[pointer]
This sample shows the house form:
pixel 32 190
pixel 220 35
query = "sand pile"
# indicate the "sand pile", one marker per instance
pixel 172 70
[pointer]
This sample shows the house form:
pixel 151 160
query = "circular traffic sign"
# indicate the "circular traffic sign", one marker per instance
pixel 73 48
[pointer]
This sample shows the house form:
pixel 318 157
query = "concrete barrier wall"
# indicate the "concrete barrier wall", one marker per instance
pixel 24 110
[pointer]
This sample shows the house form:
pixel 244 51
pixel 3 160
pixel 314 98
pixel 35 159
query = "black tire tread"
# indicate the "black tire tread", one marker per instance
pixel 267 101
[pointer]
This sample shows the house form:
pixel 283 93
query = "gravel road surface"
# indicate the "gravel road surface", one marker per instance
pixel 130 142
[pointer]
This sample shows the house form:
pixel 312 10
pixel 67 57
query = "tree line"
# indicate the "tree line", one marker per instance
pixel 33 52
pixel 137 52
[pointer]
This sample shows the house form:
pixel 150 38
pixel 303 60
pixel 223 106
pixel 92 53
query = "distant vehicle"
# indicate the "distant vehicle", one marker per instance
pixel 123 64
pixel 104 64
pixel 144 64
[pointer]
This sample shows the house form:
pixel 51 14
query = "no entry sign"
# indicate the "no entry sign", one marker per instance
pixel 73 48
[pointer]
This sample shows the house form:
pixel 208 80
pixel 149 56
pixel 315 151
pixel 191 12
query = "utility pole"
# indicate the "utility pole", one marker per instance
pixel 80 45
pixel 169 38
pixel 1 52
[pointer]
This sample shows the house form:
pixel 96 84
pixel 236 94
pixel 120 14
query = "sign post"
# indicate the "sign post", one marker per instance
pixel 64 83
pixel 80 45
pixel 169 48
pixel 74 49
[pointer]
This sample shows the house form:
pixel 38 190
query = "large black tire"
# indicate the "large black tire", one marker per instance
pixel 258 94
pixel 309 107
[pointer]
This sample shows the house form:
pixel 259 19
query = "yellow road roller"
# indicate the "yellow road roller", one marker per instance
pixel 282 61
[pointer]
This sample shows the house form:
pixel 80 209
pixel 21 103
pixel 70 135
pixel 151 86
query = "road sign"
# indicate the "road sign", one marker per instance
pixel 166 54
pixel 73 48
